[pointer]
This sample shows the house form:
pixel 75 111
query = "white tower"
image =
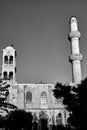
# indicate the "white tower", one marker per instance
pixel 75 57
pixel 9 64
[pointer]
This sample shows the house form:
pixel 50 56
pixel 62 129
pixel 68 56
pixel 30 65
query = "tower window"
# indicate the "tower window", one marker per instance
pixel 11 60
pixel 6 59
pixel 28 97
pixel 5 75
pixel 11 75
pixel 43 98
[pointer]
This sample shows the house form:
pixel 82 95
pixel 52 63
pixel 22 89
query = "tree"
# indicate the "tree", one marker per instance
pixel 2 121
pixel 5 106
pixel 81 111
pixel 18 119
pixel 69 98
pixel 75 100
pixel 4 92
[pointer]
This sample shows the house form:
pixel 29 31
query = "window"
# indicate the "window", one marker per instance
pixel 5 75
pixel 11 60
pixel 11 75
pixel 6 59
pixel 43 98
pixel 28 97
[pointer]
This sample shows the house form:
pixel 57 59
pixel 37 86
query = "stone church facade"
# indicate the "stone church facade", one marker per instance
pixel 35 98
pixel 39 98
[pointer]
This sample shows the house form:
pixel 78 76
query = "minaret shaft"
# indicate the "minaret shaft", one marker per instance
pixel 75 45
pixel 75 57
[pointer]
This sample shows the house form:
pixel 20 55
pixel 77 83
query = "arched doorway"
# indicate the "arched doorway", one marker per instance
pixel 43 122
pixel 59 119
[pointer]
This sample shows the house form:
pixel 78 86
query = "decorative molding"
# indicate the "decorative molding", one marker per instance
pixel 74 34
pixel 74 57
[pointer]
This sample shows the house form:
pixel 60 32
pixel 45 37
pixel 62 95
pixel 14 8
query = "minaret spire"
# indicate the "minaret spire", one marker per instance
pixel 76 56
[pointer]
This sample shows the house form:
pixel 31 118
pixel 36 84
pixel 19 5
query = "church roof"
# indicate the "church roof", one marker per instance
pixel 9 48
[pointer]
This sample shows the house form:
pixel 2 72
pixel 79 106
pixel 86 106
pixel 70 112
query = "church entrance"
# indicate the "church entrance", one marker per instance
pixel 43 122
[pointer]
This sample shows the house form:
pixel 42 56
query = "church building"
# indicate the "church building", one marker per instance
pixel 39 98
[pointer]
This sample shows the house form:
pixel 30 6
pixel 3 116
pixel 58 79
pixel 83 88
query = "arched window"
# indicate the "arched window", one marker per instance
pixel 10 75
pixel 28 97
pixel 11 60
pixel 59 119
pixel 43 98
pixel 5 75
pixel 6 59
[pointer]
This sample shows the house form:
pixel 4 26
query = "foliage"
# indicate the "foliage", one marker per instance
pixel 81 112
pixel 75 100
pixel 4 92
pixel 19 119
pixel 2 121
pixel 70 98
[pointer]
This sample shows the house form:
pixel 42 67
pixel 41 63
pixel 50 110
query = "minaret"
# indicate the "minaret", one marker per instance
pixel 75 57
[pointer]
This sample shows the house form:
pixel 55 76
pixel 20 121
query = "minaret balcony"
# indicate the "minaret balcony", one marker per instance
pixel 74 34
pixel 75 57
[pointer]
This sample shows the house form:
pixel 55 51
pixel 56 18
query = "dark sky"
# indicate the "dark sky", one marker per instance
pixel 38 29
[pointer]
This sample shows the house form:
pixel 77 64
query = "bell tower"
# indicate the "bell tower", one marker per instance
pixel 9 64
pixel 76 56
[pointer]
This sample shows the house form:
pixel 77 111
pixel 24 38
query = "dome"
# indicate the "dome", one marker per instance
pixel 9 48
